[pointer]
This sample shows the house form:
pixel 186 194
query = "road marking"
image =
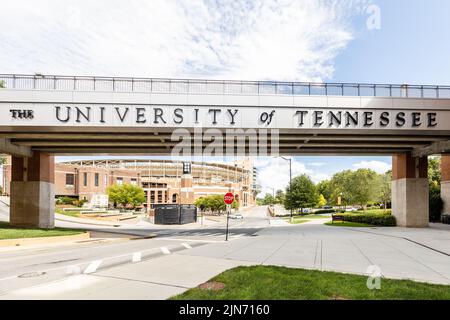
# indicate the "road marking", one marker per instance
pixel 137 257
pixel 92 267
pixel 9 278
pixel 190 240
pixel 186 245
pixel 165 250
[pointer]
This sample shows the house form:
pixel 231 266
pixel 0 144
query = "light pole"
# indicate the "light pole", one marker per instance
pixel 290 175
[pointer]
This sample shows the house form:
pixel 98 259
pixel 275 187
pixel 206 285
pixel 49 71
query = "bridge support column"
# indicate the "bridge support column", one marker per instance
pixel 32 200
pixel 410 191
pixel 445 182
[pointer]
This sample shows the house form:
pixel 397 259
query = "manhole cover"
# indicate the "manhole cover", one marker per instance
pixel 32 275
pixel 212 285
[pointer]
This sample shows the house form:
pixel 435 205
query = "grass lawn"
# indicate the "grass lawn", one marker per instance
pixel 75 214
pixel 374 211
pixel 280 283
pixel 349 224
pixel 316 216
pixel 297 221
pixel 303 219
pixel 9 232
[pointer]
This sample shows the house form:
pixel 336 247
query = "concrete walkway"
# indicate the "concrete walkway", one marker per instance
pixel 352 250
pixel 159 278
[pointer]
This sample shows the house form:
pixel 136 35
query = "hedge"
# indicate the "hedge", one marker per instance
pixel 325 211
pixel 386 220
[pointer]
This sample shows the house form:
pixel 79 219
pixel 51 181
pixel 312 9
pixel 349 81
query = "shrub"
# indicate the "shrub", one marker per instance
pixel 386 220
pixel 436 204
pixel 79 203
pixel 65 200
pixel 325 211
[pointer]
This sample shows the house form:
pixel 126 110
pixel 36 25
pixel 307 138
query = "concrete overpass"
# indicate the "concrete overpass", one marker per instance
pixel 41 116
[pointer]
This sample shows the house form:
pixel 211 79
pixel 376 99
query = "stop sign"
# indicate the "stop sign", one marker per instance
pixel 228 198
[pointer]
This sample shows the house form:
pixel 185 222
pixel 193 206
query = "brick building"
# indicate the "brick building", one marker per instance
pixel 162 180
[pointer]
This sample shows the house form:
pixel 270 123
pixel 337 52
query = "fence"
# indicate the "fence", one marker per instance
pixel 197 86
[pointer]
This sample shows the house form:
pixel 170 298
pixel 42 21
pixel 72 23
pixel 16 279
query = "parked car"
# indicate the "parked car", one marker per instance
pixel 350 209
pixel 305 210
pixel 237 216
pixel 327 207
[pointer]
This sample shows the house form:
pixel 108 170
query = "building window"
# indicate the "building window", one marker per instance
pixel 96 179
pixel 70 179
pixel 134 181
pixel 174 198
pixel 85 179
pixel 119 180
pixel 160 197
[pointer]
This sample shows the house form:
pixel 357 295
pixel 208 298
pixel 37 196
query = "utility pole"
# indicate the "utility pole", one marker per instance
pixel 290 176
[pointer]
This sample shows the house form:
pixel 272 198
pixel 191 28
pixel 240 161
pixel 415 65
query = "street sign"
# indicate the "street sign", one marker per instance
pixel 228 198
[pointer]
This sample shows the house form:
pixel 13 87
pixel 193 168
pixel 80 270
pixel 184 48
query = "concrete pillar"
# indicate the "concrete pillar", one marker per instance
pixel 32 200
pixel 186 190
pixel 445 182
pixel 410 191
pixel 148 201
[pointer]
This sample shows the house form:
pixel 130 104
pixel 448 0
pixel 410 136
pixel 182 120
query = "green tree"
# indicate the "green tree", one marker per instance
pixel 434 179
pixel 324 188
pixel 126 195
pixel 280 196
pixel 364 186
pixel 201 203
pixel 340 187
pixel 322 201
pixel 268 200
pixel 434 171
pixel 385 192
pixel 301 193
pixel 214 203
pixel 2 84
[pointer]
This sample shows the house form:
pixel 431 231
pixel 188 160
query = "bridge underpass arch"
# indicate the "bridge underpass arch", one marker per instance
pixel 43 116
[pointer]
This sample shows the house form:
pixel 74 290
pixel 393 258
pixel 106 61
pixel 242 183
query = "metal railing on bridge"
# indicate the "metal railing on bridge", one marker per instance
pixel 197 86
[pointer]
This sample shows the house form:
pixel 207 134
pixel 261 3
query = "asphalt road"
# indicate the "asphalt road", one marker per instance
pixel 34 266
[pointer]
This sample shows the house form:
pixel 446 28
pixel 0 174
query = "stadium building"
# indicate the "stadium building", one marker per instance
pixel 162 180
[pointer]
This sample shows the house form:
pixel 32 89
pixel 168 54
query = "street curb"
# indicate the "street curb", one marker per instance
pixel 113 225
pixel 43 240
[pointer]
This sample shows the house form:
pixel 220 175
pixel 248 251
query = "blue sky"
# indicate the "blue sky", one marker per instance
pixel 412 45
pixel 324 40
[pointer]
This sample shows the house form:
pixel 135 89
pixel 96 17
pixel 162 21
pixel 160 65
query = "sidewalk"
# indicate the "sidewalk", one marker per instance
pixel 159 278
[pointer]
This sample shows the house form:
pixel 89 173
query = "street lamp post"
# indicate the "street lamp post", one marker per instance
pixel 290 176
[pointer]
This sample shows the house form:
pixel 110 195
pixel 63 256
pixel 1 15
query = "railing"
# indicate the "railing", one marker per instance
pixel 195 86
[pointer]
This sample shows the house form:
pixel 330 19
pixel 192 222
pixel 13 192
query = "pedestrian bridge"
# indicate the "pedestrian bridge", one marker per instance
pixel 84 115
pixel 42 115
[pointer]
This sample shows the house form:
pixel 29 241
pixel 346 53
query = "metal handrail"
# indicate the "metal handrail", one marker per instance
pixel 203 86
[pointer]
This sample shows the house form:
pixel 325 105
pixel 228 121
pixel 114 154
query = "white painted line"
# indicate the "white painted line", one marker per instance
pixel 187 240
pixel 186 245
pixel 92 267
pixel 165 250
pixel 8 278
pixel 137 257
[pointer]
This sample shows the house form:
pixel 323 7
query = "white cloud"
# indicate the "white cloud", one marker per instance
pixel 377 166
pixel 273 39
pixel 274 173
